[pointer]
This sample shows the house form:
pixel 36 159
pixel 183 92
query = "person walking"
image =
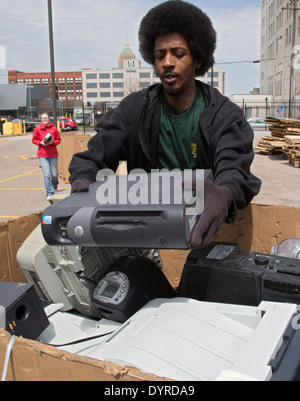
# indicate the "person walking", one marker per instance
pixel 47 137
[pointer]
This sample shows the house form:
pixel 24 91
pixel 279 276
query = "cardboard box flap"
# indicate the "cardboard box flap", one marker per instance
pixel 50 364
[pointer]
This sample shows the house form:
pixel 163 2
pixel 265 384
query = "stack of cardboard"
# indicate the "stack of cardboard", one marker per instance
pixel 284 138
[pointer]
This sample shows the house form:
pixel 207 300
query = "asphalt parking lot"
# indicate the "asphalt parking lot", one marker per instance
pixel 21 180
pixel 22 189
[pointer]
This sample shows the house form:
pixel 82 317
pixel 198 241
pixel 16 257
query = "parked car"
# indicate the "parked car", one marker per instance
pixel 79 119
pixel 67 124
pixel 258 123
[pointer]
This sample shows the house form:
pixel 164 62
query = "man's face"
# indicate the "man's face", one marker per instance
pixel 45 119
pixel 174 64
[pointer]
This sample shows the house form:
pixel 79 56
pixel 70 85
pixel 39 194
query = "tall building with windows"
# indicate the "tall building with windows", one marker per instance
pixel 112 85
pixel 280 51
pixel 216 78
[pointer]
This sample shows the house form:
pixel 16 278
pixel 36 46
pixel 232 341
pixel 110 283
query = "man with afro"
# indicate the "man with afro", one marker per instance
pixel 181 123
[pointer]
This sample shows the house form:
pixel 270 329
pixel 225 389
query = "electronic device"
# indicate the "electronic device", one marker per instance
pixel 188 340
pixel 21 311
pixel 47 138
pixel 131 282
pixel 226 273
pixel 198 266
pixel 256 277
pixel 136 210
pixel 68 274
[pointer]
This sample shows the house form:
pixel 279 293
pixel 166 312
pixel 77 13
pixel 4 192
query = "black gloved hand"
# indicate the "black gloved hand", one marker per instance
pixel 81 185
pixel 217 201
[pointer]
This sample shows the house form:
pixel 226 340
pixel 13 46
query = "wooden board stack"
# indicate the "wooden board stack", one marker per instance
pixel 284 139
pixel 292 149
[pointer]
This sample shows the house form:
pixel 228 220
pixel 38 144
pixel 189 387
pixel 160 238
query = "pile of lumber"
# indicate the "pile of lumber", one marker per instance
pixel 268 145
pixel 284 139
pixel 292 149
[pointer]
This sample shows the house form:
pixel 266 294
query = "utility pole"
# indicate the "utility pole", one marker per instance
pixel 292 6
pixel 54 112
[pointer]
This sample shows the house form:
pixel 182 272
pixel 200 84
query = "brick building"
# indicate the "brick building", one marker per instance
pixel 68 85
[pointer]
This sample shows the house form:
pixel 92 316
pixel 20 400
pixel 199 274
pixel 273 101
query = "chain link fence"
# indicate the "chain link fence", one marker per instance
pixel 280 109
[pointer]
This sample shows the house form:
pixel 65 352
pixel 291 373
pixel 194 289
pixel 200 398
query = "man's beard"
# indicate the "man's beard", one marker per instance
pixel 172 92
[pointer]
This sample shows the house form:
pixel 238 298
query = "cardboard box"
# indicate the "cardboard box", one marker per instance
pixel 12 235
pixel 71 143
pixel 33 361
pixel 257 228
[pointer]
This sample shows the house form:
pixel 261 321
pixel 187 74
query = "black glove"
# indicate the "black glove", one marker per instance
pixel 217 201
pixel 81 185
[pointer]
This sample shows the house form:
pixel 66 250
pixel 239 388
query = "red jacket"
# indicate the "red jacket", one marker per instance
pixel 39 134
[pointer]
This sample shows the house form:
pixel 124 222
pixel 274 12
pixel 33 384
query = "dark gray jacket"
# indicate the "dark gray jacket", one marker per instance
pixel 130 132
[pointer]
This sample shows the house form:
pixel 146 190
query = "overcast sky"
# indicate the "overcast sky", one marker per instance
pixel 92 34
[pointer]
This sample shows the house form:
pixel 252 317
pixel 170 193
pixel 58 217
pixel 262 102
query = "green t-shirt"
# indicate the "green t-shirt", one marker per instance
pixel 177 147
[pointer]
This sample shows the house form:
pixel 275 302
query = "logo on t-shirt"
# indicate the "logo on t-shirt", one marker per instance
pixel 194 150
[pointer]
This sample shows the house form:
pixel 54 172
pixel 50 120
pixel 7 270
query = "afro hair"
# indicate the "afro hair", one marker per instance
pixel 184 18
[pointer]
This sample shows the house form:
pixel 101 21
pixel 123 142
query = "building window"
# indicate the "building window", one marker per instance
pixel 118 85
pixel 144 74
pixel 118 94
pixel 118 75
pixel 91 76
pixel 91 85
pixel 104 94
pixel 91 94
pixel 215 74
pixel 104 75
pixel 104 84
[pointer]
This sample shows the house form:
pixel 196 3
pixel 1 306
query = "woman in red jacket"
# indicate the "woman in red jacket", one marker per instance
pixel 47 137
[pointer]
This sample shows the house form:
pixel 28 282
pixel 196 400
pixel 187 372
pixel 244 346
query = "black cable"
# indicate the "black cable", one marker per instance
pixel 81 340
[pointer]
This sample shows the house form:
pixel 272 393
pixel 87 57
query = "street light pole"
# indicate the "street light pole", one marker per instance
pixel 52 63
pixel 29 95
